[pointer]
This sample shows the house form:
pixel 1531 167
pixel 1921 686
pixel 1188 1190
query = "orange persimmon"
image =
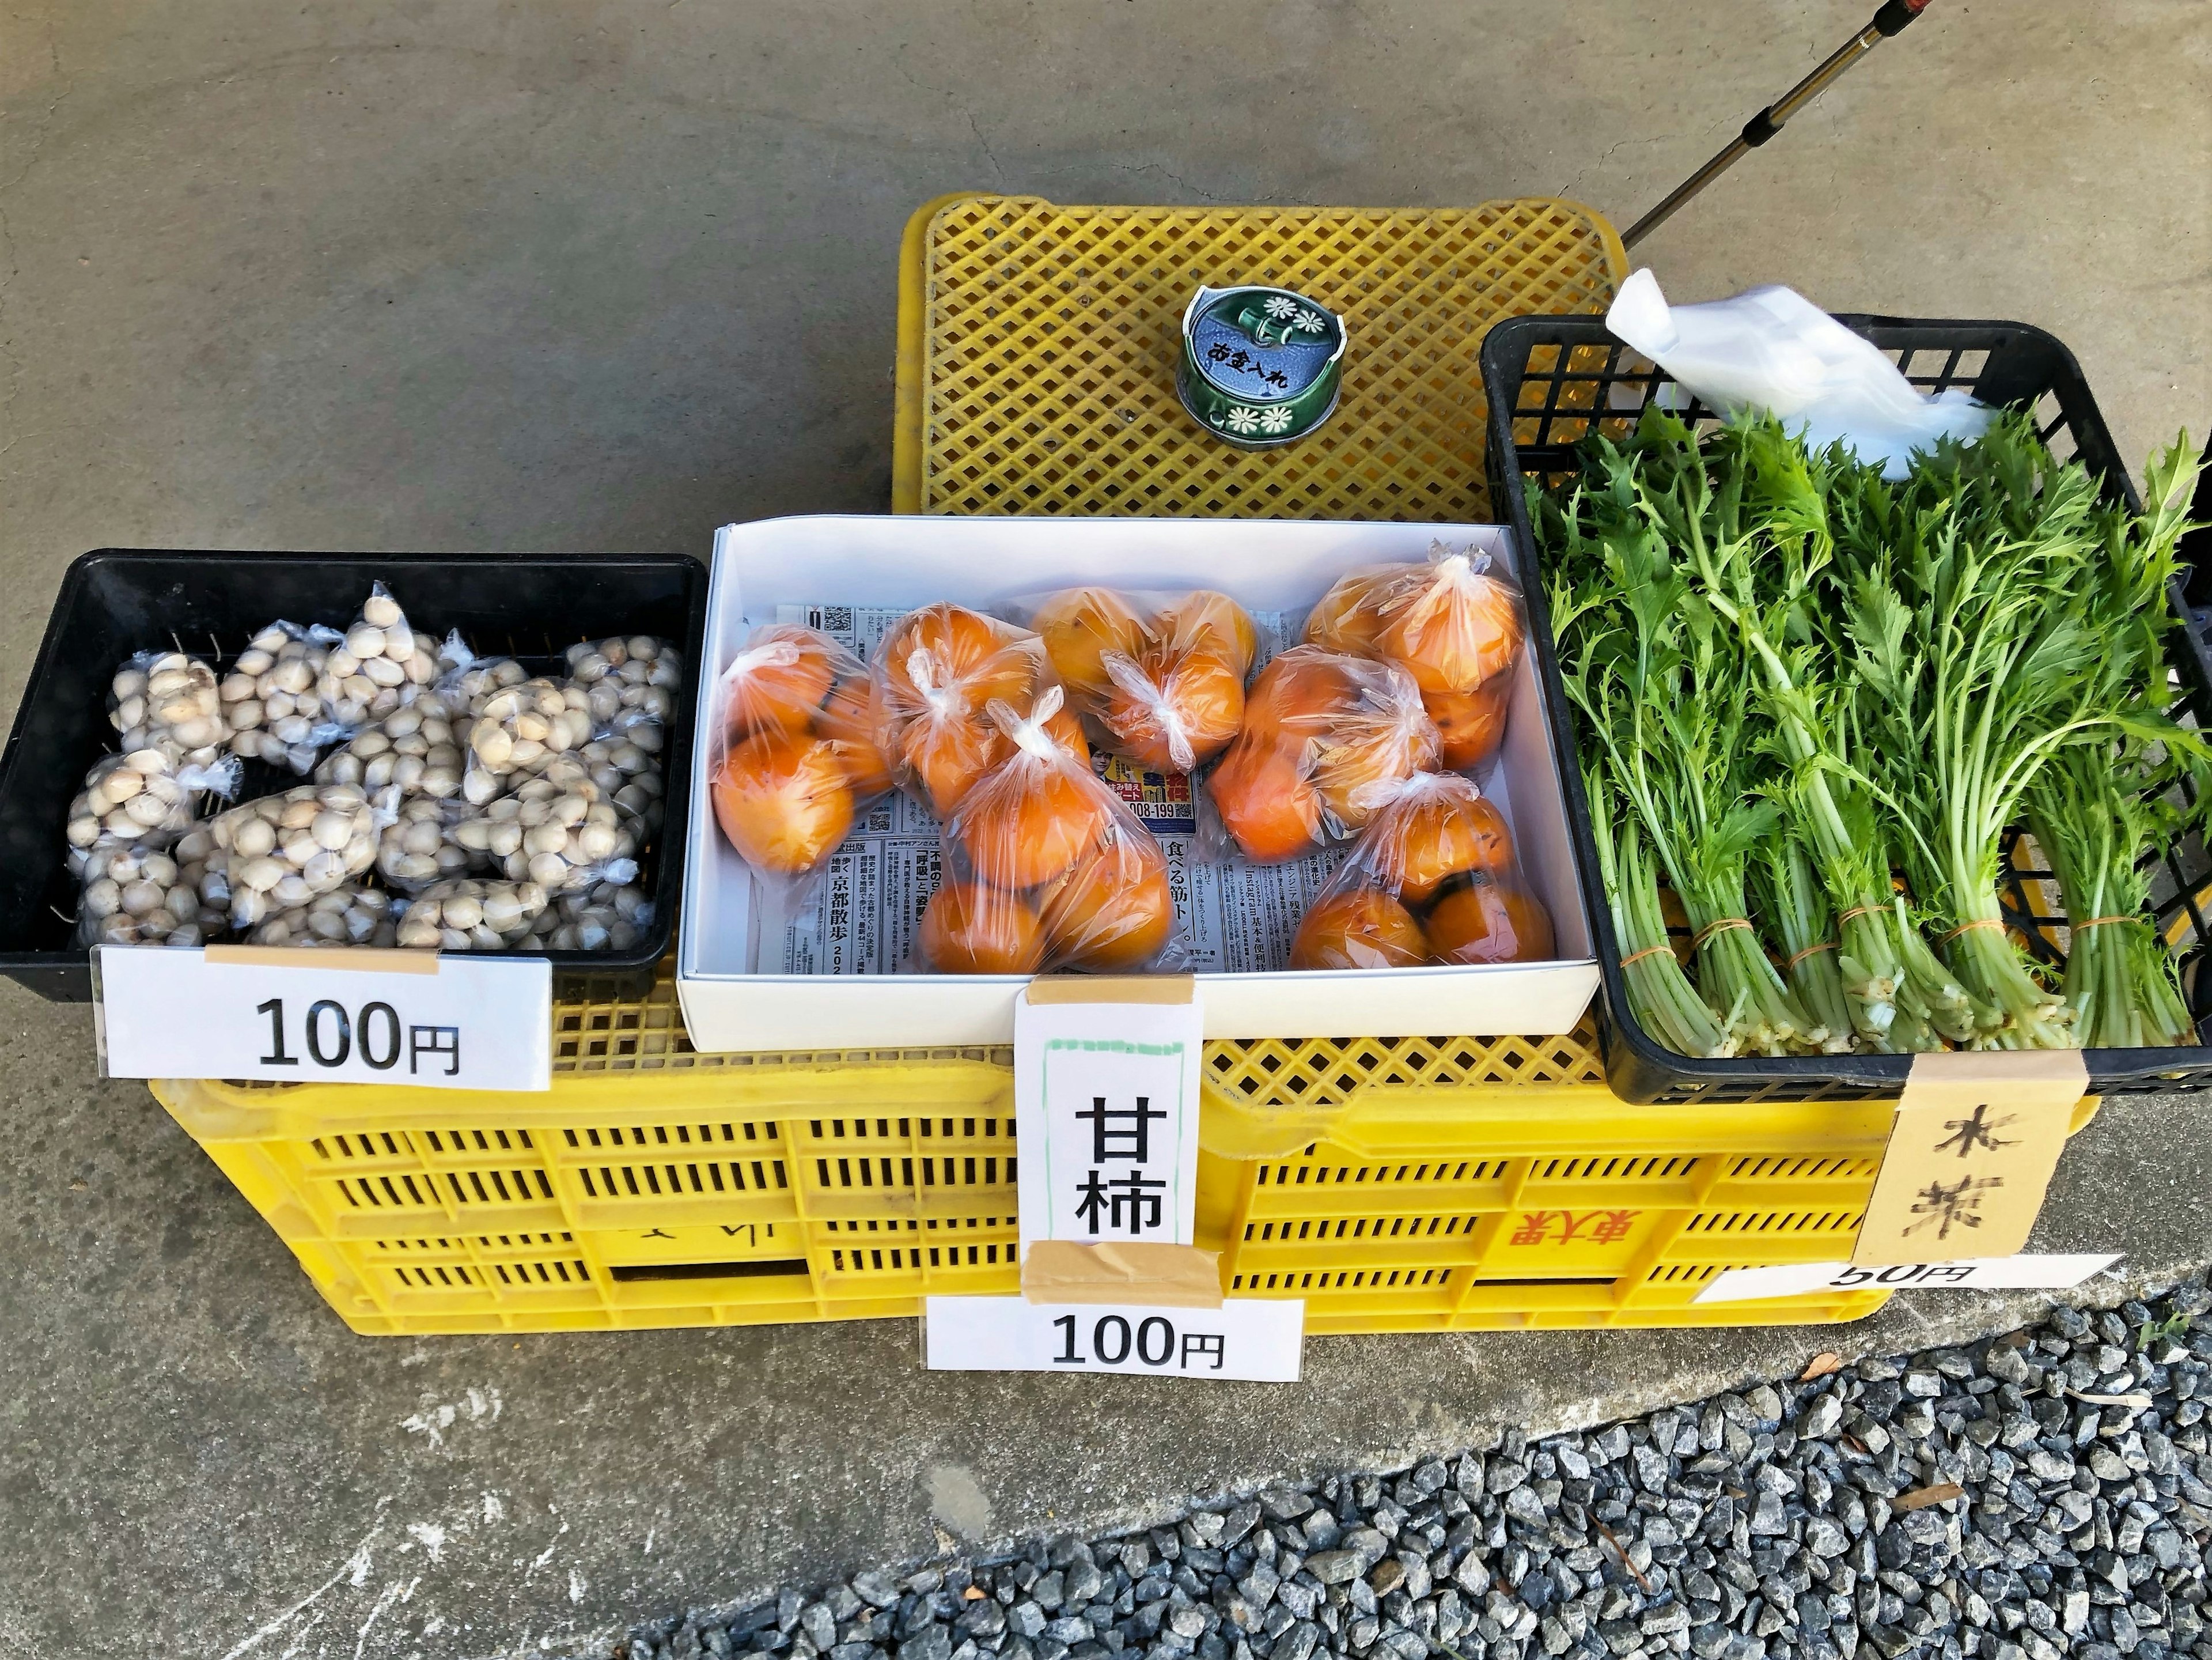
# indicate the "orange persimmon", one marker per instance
pixel 971 928
pixel 1440 834
pixel 1300 691
pixel 971 660
pixel 1488 920
pixel 1346 620
pixel 1454 625
pixel 1028 822
pixel 1472 723
pixel 1174 707
pixel 1265 803
pixel 851 721
pixel 1206 619
pixel 1357 929
pixel 777 683
pixel 1113 911
pixel 783 801
pixel 1081 625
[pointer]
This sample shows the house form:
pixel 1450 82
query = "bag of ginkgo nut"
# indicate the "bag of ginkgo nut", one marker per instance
pixel 791 761
pixel 1157 677
pixel 1432 878
pixel 1455 622
pixel 1046 867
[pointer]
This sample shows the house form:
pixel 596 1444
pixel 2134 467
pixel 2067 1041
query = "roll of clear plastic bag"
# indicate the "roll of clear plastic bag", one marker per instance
pixel 1157 676
pixel 1046 869
pixel 936 672
pixel 1773 350
pixel 1326 737
pixel 792 759
pixel 1433 879
pixel 1455 622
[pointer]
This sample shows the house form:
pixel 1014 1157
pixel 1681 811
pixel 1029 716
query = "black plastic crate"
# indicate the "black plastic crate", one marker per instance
pixel 1547 379
pixel 115 602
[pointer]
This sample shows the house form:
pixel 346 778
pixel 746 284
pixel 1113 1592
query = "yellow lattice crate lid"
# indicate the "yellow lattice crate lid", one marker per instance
pixel 1038 343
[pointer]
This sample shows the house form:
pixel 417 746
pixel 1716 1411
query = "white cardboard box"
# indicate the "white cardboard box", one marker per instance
pixel 1268 565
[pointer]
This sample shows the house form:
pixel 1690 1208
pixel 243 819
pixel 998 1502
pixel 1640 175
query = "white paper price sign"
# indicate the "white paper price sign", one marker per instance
pixel 353 1017
pixel 1106 1113
pixel 2022 1272
pixel 1250 1340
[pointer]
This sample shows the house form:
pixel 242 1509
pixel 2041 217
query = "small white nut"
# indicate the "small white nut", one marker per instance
pixel 259 875
pixel 146 809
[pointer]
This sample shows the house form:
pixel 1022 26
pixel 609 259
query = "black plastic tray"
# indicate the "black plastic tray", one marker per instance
pixel 115 601
pixel 1546 378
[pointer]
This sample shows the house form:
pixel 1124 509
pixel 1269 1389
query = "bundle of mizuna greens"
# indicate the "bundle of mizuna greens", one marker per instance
pixel 1815 703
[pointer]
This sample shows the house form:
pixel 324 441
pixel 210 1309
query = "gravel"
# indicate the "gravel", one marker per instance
pixel 2046 1493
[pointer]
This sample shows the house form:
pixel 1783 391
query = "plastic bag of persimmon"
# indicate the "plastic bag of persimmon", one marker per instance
pixel 1327 739
pixel 936 672
pixel 793 762
pixel 1157 676
pixel 1045 868
pixel 1433 879
pixel 1456 622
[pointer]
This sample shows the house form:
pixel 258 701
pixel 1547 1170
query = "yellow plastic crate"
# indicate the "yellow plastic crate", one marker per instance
pixel 1037 348
pixel 1396 1185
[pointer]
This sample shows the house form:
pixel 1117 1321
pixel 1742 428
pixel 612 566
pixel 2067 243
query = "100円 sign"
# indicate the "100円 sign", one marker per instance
pixel 287 1016
pixel 1250 1340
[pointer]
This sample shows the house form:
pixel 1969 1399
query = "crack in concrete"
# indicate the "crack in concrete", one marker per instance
pixel 998 172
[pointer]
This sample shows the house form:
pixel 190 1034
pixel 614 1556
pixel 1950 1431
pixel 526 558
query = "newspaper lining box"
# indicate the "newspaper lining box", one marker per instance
pixel 735 991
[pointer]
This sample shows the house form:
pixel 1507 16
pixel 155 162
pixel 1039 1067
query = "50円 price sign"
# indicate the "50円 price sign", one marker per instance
pixel 299 1016
pixel 1247 1340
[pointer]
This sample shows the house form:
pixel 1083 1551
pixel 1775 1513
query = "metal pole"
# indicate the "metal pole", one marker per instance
pixel 1892 18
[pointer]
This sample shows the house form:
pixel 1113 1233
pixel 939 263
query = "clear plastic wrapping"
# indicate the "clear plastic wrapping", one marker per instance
pixel 270 697
pixel 1456 624
pixel 1432 878
pixel 438 774
pixel 522 729
pixel 169 702
pixel 144 796
pixel 1045 867
pixel 936 673
pixel 792 760
pixel 464 913
pixel 415 747
pixel 350 913
pixel 1326 737
pixel 139 896
pixel 609 916
pixel 281 851
pixel 372 667
pixel 1157 676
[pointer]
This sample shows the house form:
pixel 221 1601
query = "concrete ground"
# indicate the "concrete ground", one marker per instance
pixel 486 276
